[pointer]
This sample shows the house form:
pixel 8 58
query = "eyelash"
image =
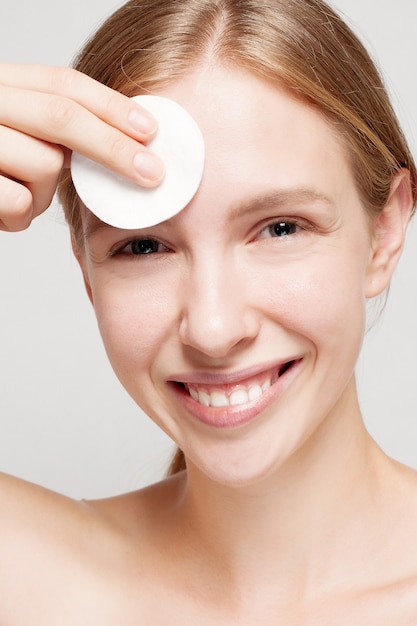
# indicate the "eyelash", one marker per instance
pixel 150 246
pixel 286 228
pixel 141 247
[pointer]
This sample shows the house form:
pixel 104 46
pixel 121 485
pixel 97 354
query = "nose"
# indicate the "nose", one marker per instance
pixel 217 315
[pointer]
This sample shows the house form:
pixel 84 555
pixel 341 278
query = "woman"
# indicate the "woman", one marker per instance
pixel 236 326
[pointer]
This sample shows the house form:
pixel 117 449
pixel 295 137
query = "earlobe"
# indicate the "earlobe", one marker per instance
pixel 389 235
pixel 81 261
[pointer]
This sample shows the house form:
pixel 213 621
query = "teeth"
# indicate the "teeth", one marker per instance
pixel 237 397
pixel 240 396
pixel 204 398
pixel 218 399
pixel 255 392
pixel 267 384
pixel 194 394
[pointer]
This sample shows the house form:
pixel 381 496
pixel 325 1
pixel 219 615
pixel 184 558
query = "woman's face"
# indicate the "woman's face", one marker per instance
pixel 236 325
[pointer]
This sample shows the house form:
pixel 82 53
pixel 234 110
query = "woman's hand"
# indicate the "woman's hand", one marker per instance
pixel 45 113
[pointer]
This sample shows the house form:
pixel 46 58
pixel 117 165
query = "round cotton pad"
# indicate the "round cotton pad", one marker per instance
pixel 124 204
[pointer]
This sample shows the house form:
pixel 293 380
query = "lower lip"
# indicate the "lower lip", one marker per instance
pixel 234 416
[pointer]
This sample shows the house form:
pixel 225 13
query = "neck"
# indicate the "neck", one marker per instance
pixel 296 525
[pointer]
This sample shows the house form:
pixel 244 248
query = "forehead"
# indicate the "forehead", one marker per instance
pixel 260 142
pixel 258 134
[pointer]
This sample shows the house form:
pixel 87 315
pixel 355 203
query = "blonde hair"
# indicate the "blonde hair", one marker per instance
pixel 300 44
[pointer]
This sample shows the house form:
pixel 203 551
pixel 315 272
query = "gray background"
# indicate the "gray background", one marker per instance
pixel 66 423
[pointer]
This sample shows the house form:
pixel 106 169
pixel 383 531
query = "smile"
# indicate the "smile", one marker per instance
pixel 231 400
pixel 237 394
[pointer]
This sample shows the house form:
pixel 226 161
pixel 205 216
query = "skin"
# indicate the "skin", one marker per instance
pixel 289 513
pixel 68 111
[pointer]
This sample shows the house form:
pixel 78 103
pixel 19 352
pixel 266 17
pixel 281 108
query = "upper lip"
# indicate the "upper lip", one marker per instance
pixel 230 378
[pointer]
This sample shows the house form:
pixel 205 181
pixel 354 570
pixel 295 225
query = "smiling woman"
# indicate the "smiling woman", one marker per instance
pixel 236 326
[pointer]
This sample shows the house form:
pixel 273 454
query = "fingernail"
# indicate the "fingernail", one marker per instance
pixel 149 166
pixel 142 123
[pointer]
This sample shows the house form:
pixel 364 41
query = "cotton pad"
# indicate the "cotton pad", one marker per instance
pixel 124 204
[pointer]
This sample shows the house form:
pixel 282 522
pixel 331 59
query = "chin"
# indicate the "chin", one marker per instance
pixel 239 468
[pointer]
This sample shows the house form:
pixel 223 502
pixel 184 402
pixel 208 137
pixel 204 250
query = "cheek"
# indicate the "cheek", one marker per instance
pixel 135 319
pixel 320 300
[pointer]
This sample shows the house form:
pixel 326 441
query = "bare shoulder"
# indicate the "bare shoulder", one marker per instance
pixel 63 557
pixel 399 553
pixel 30 509
pixel 35 520
pixel 140 513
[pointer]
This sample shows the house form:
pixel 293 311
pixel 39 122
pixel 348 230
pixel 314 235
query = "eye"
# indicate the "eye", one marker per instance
pixel 279 229
pixel 138 247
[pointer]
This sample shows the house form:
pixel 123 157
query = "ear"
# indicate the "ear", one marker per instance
pixel 389 232
pixel 81 261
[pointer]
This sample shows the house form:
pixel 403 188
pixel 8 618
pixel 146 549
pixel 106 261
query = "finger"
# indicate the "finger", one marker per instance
pixel 110 105
pixel 33 162
pixel 15 205
pixel 59 120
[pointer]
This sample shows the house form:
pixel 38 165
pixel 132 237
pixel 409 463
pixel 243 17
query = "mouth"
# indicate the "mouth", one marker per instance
pixel 239 393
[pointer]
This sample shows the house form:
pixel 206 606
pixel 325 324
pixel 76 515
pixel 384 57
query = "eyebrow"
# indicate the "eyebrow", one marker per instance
pixel 94 225
pixel 277 199
pixel 280 199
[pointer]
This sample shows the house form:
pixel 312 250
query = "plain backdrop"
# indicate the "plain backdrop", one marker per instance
pixel 66 423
